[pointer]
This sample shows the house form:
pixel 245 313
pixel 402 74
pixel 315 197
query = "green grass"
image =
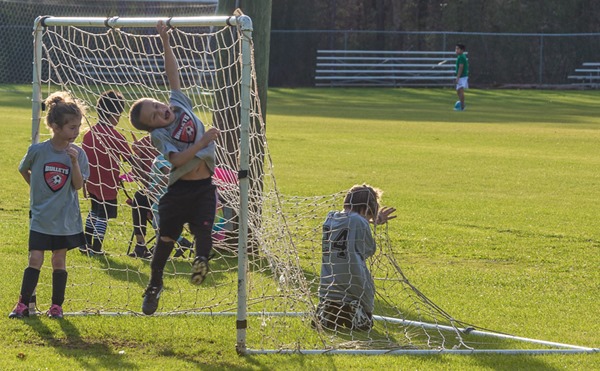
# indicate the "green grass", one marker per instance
pixel 497 224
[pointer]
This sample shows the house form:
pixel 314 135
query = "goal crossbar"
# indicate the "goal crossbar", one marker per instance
pixel 118 22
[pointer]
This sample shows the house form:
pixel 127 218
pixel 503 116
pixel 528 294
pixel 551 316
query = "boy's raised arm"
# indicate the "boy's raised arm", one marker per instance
pixel 171 66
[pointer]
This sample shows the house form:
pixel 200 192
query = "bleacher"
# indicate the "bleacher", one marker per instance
pixel 384 68
pixel 588 75
pixel 125 70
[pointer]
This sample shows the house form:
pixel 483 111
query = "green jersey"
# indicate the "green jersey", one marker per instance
pixel 462 59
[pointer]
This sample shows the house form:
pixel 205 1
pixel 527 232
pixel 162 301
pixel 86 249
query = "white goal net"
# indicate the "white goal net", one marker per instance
pixel 266 279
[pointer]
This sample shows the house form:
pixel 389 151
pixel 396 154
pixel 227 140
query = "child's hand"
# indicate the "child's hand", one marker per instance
pixel 211 135
pixel 384 215
pixel 162 29
pixel 72 152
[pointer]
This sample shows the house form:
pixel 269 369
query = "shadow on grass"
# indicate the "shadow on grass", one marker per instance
pixel 512 362
pixel 195 359
pixel 73 346
pixel 116 269
pixel 120 269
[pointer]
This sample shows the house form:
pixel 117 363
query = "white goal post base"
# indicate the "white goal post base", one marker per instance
pixel 554 347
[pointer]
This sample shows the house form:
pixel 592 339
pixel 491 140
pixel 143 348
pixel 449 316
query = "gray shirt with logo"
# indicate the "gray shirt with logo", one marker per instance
pixel 185 130
pixel 54 203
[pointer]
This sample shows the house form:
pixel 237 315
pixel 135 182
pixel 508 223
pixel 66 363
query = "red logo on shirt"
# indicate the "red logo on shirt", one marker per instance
pixel 56 175
pixel 186 130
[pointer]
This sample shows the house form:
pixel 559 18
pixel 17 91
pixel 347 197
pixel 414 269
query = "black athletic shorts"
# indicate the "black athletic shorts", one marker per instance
pixel 42 241
pixel 104 209
pixel 187 201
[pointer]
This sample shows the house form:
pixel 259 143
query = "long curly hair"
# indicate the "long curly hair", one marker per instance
pixel 59 106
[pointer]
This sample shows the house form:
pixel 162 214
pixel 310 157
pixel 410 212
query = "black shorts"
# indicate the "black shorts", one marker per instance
pixel 104 209
pixel 45 242
pixel 187 201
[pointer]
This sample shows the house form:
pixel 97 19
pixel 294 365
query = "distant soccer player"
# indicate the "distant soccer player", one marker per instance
pixel 462 76
pixel 105 147
pixel 55 170
pixel 347 290
pixel 191 197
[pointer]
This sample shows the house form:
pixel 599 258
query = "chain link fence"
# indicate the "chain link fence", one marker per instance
pixel 495 59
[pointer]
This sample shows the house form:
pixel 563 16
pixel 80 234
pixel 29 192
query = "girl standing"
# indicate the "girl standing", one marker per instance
pixel 55 170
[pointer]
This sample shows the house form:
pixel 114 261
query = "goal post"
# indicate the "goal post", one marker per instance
pixel 266 267
pixel 244 24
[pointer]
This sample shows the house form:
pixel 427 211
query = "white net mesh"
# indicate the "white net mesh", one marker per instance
pixel 284 232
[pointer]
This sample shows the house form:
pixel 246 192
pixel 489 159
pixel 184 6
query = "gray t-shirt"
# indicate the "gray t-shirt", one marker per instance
pixel 185 130
pixel 54 203
pixel 347 243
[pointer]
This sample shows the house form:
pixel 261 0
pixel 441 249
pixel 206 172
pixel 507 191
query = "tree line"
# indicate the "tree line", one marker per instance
pixel 518 16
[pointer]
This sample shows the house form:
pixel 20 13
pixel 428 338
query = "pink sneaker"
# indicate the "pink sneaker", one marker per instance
pixel 21 310
pixel 55 311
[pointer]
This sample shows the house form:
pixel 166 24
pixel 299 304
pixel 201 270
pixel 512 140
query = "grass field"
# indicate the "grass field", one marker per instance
pixel 497 224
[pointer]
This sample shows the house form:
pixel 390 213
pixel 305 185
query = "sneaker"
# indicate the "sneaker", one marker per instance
pixel 55 311
pixel 199 270
pixel 151 296
pixel 140 251
pixel 21 310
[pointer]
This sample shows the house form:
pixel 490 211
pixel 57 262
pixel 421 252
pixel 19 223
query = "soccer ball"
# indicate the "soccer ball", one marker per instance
pixel 457 106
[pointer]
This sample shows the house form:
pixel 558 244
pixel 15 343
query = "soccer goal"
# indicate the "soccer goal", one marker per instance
pixel 264 274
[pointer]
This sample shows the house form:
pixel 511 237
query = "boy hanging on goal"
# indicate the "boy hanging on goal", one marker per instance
pixel 55 170
pixel 347 290
pixel 191 197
